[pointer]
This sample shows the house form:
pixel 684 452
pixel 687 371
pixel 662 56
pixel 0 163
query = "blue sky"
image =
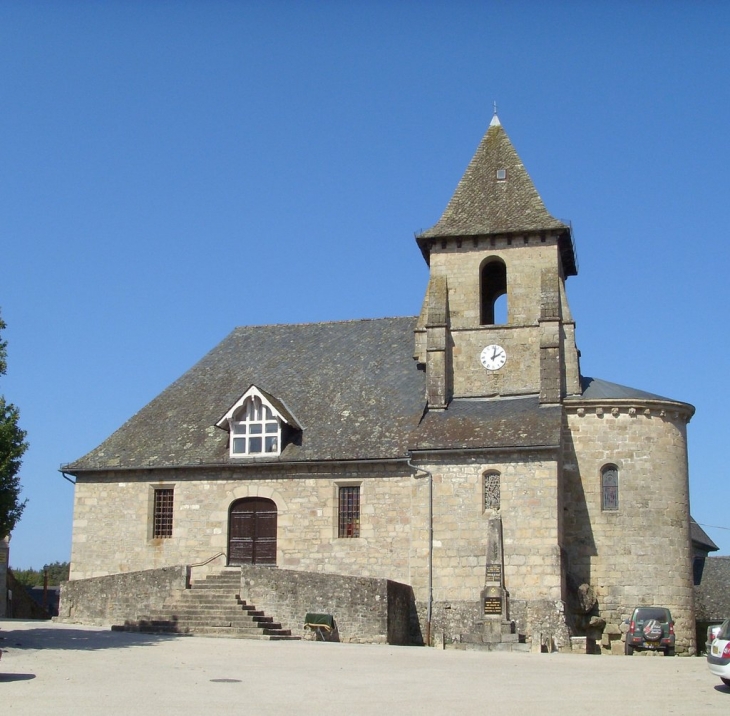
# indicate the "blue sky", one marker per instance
pixel 171 170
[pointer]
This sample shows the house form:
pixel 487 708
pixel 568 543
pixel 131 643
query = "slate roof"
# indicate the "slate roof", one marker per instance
pixel 496 423
pixel 700 538
pixel 483 204
pixel 356 392
pixel 353 386
pixel 712 595
pixel 597 389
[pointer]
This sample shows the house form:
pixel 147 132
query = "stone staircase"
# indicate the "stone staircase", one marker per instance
pixel 211 607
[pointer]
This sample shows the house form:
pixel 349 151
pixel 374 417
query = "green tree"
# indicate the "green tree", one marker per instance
pixel 57 573
pixel 12 447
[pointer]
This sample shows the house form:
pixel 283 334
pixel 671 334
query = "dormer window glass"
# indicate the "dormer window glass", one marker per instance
pixel 258 424
pixel 255 429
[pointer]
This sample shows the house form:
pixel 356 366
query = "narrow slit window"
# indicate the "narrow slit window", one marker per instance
pixel 349 512
pixel 609 488
pixel 162 515
pixel 491 490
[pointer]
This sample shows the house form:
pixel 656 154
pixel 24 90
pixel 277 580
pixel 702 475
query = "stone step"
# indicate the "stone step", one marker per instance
pixel 192 610
pixel 243 617
pixel 208 603
pixel 169 626
pixel 231 634
pixel 187 598
pixel 219 631
pixel 205 586
pixel 211 607
pixel 493 646
pixel 218 621
pixel 510 638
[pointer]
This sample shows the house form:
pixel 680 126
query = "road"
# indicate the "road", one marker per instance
pixel 50 668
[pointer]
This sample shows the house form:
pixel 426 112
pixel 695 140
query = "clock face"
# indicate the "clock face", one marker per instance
pixel 493 357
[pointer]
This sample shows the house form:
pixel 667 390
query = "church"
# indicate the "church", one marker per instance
pixel 461 452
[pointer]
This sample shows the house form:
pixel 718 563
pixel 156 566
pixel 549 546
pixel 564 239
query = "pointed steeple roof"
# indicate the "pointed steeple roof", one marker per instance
pixel 495 196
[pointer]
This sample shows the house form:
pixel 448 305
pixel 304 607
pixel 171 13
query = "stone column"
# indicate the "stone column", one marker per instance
pixel 494 596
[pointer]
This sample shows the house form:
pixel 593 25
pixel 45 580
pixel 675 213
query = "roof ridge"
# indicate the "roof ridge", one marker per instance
pixel 325 323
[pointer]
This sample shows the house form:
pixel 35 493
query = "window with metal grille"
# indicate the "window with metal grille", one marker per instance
pixel 349 512
pixel 162 515
pixel 491 490
pixel 609 488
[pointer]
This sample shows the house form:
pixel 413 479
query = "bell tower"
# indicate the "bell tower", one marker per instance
pixel 495 320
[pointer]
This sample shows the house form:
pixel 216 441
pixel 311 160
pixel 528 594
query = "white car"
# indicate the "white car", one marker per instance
pixel 718 651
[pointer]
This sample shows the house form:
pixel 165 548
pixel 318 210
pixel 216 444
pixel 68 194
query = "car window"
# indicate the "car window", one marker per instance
pixel 647 613
pixel 725 630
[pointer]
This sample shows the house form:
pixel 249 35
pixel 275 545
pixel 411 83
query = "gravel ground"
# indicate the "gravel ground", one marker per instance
pixel 70 669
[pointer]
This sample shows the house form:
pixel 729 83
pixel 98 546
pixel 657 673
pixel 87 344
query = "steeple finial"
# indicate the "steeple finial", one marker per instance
pixel 495 119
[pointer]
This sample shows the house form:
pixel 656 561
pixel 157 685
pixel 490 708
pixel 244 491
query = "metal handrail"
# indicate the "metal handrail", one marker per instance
pixel 189 567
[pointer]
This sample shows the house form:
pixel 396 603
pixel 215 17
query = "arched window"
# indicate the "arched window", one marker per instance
pixel 491 490
pixel 609 487
pixel 493 285
pixel 255 429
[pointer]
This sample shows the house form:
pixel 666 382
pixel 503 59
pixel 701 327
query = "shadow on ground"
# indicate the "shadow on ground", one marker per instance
pixel 15 677
pixel 53 637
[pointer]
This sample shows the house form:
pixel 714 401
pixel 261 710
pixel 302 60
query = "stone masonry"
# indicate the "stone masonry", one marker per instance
pixel 439 437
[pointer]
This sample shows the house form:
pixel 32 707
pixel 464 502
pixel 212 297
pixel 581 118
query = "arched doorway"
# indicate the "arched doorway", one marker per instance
pixel 252 531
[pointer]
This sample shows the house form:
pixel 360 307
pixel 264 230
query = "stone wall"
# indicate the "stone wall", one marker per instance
pixel 113 516
pixel 365 610
pixel 117 598
pixel 394 524
pixel 529 512
pixel 640 553
pixel 524 257
pixel 528 260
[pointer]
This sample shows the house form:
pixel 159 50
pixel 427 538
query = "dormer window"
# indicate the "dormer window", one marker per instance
pixel 255 429
pixel 257 424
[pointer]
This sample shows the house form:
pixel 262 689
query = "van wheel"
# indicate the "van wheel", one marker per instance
pixel 725 681
pixel 670 651
pixel 629 649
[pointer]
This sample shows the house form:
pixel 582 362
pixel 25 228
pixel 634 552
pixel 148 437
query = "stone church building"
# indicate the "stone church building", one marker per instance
pixel 460 452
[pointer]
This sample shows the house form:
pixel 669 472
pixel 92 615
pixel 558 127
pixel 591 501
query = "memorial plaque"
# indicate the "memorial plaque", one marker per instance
pixel 494 573
pixel 492 605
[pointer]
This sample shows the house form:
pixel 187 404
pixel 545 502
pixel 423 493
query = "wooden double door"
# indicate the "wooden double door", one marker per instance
pixel 252 531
